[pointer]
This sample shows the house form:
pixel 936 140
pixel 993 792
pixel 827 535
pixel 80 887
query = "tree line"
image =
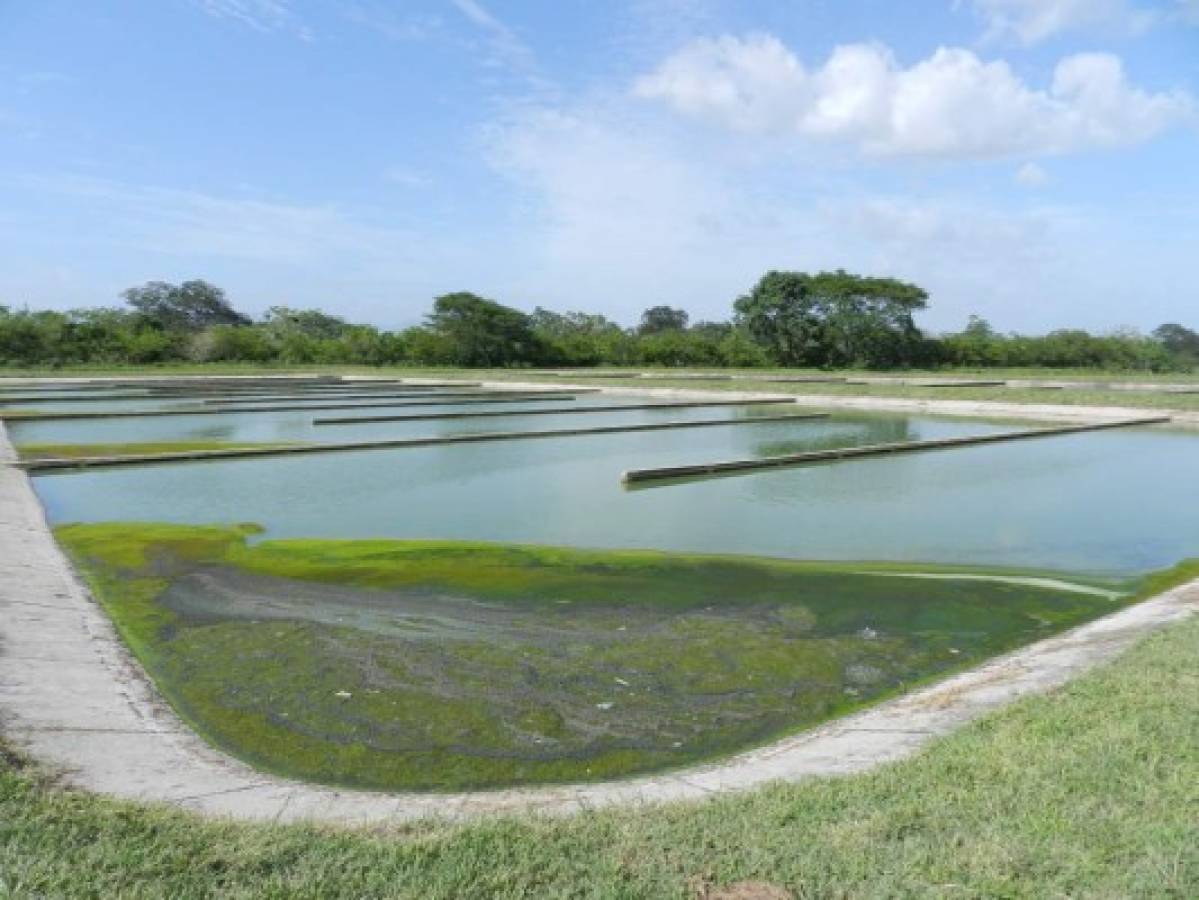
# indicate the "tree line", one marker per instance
pixel 792 319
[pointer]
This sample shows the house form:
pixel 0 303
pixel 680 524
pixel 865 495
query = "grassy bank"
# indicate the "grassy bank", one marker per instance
pixel 1090 791
pixel 424 665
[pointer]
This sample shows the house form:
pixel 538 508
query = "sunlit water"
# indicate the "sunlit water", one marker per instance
pixel 297 424
pixel 1116 501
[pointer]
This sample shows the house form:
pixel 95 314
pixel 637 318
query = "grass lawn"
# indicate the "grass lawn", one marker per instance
pixel 1092 791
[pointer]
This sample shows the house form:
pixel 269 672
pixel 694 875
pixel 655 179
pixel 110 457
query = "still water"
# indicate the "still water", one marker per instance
pixel 1117 501
pixel 297 425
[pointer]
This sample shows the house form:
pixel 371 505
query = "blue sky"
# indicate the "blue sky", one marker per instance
pixel 1032 161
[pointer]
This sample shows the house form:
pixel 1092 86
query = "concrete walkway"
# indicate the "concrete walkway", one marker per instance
pixel 73 697
pixel 998 409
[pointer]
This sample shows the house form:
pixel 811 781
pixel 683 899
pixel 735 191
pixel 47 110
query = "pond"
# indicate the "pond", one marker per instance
pixel 1118 501
pixel 503 613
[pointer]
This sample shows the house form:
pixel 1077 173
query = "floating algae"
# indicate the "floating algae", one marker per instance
pixel 436 665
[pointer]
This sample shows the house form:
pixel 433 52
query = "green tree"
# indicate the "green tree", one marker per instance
pixel 190 306
pixel 658 319
pixel 678 348
pixel 426 347
pixel 481 332
pixel 739 350
pixel 283 321
pixel 976 345
pixel 1179 341
pixel 578 338
pixel 833 319
pixel 232 343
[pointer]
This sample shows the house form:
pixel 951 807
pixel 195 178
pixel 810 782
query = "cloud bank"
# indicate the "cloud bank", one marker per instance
pixel 952 105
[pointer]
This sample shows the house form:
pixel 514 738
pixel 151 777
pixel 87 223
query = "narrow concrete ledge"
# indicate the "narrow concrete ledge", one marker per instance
pixel 198 410
pixel 574 410
pixel 665 474
pixel 483 437
pixel 998 409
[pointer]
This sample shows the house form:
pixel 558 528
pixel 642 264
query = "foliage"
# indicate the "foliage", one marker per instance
pixel 826 320
pixel 283 321
pixel 979 345
pixel 189 306
pixel 658 319
pixel 481 332
pixel 581 339
pixel 1179 341
pixel 225 343
pixel 833 319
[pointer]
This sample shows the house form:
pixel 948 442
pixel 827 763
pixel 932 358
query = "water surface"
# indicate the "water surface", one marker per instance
pixel 1116 501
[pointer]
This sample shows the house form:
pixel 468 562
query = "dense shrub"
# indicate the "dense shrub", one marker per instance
pixel 832 319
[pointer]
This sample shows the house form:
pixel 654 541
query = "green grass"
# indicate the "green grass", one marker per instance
pixel 427 665
pixel 1091 791
pixel 142 448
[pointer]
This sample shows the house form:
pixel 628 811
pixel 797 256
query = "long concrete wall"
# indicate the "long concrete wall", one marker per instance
pixel 764 463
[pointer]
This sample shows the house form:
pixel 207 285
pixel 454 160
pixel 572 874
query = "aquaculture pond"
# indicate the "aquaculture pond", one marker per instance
pixel 1119 501
pixel 490 614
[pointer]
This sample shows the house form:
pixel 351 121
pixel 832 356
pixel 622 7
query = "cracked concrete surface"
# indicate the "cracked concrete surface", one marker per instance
pixel 73 697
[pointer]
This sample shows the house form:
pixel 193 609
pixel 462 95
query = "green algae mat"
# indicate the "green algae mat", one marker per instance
pixel 435 666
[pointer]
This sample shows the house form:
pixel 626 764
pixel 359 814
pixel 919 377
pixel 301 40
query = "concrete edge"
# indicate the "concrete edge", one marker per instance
pixel 1049 412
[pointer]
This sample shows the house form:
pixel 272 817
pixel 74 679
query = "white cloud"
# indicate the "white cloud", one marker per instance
pixel 262 250
pixel 193 223
pixel 395 27
pixel 622 214
pixel 505 47
pixel 938 237
pixel 1187 11
pixel 1032 21
pixel 260 15
pixel 952 105
pixel 1031 175
pixel 406 177
pixel 615 216
pixel 605 188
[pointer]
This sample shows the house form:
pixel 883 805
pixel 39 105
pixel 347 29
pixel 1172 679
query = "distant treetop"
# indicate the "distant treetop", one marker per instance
pixel 191 306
